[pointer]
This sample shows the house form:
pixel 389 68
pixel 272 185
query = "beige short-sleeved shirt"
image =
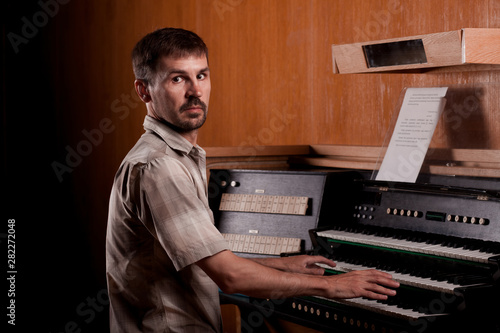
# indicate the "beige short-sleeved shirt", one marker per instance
pixel 159 225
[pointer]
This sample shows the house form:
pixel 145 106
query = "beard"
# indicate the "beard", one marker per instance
pixel 195 121
pixel 179 123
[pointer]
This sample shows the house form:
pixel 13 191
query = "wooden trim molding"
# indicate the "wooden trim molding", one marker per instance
pixel 254 151
pixel 464 162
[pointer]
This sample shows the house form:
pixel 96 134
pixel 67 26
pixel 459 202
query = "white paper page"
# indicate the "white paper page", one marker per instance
pixel 412 134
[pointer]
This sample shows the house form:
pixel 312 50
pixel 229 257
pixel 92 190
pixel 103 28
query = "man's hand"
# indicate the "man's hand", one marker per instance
pixel 368 283
pixel 364 283
pixel 305 264
pixel 293 276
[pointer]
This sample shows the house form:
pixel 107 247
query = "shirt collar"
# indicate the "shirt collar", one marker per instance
pixel 173 139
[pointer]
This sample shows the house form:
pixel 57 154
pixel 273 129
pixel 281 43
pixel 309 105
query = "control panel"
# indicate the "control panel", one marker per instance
pixel 267 207
pixel 442 210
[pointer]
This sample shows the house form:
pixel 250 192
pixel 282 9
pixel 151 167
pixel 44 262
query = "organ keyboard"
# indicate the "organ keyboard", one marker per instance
pixel 420 245
pixel 439 237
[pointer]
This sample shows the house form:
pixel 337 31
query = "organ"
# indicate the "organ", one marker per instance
pixel 439 237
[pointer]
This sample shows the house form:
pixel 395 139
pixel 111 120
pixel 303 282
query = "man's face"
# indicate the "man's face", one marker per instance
pixel 181 92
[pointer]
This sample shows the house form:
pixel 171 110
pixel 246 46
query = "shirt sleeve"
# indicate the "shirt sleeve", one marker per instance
pixel 177 214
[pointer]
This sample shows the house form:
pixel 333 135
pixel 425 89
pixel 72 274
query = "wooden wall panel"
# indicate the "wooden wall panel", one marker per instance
pixel 271 65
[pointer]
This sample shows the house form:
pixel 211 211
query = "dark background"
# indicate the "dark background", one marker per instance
pixel 58 287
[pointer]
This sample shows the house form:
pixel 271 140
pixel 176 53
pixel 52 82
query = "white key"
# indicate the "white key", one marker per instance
pixel 385 309
pixel 407 279
pixel 438 250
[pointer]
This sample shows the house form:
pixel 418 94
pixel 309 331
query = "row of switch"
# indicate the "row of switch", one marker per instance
pixel 257 203
pixel 262 244
pixel 404 212
pixel 335 317
pixel 467 219
pixel 363 212
pixel 449 217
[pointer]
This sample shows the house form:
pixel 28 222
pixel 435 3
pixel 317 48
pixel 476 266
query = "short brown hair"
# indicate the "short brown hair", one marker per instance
pixel 164 42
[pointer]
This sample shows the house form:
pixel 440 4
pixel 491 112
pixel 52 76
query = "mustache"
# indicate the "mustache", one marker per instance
pixel 193 101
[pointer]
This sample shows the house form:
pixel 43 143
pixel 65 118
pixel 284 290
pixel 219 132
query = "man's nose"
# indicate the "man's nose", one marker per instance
pixel 194 90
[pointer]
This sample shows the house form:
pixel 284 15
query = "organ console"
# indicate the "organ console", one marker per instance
pixel 439 237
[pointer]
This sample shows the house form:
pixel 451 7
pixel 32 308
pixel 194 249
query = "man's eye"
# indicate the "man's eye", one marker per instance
pixel 177 79
pixel 201 76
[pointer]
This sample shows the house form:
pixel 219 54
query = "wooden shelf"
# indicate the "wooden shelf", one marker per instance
pixel 441 161
pixel 465 49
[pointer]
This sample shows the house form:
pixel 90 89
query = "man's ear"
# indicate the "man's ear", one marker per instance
pixel 141 88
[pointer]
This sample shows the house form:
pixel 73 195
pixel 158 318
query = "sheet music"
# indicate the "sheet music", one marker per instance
pixel 412 134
